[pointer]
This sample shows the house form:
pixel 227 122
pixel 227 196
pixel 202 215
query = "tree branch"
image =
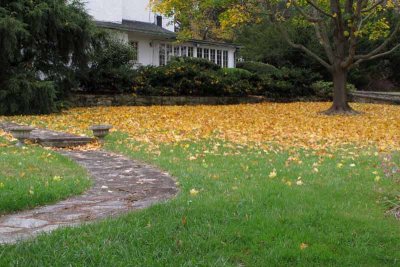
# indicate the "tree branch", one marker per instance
pixel 378 55
pixel 305 15
pixel 372 7
pixel 320 30
pixel 314 5
pixel 382 46
pixel 303 48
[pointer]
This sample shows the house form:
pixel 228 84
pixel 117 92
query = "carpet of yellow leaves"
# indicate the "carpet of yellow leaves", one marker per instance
pixel 288 125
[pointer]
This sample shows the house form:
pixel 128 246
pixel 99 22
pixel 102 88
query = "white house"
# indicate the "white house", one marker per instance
pixel 152 35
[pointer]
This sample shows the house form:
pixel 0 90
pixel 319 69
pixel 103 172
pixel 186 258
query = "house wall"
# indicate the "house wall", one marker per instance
pixel 117 10
pixel 105 10
pixel 147 49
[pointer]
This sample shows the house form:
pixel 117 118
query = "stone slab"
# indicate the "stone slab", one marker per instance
pixel 50 138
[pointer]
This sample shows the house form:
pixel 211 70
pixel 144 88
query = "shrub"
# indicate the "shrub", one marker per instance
pixel 194 77
pixel 257 67
pixel 198 77
pixel 25 95
pixel 288 83
pixel 238 82
pixel 324 89
pixel 111 67
pixel 199 63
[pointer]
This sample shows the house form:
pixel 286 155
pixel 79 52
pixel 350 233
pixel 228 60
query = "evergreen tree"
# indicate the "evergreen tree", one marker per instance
pixel 42 44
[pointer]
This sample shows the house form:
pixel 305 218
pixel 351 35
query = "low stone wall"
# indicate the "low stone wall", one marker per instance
pixel 85 100
pixel 376 97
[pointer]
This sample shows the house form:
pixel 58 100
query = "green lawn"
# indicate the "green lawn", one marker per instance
pixel 33 176
pixel 240 215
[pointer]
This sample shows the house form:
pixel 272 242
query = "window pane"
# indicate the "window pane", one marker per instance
pixel 184 51
pixel 169 53
pixel 219 58
pixel 199 52
pixel 135 46
pixel 162 54
pixel 225 59
pixel 206 53
pixel 190 51
pixel 177 51
pixel 212 55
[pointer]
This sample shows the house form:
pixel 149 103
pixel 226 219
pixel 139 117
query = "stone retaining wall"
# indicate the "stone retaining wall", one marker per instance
pixel 376 97
pixel 85 100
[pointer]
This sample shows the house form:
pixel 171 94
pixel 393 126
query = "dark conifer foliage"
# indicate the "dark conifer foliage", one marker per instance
pixel 42 44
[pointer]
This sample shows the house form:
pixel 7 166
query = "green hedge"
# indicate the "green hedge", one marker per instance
pixel 257 67
pixel 199 77
pixel 192 77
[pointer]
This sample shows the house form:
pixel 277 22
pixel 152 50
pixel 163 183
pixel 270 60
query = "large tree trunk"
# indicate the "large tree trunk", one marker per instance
pixel 340 104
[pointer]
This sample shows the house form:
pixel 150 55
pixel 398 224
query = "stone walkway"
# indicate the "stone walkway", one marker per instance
pixel 120 185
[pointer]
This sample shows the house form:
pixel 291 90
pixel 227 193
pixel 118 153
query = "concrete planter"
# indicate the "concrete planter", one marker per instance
pixel 21 133
pixel 101 131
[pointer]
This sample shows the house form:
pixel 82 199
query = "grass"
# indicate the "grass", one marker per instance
pixel 240 216
pixel 33 176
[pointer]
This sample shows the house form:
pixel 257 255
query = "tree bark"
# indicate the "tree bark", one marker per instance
pixel 340 104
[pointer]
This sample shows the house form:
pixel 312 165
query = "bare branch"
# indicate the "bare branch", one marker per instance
pixel 303 48
pixel 314 5
pixel 322 34
pixel 373 6
pixel 382 46
pixel 378 55
pixel 305 15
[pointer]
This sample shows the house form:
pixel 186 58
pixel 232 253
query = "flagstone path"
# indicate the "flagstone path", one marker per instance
pixel 120 185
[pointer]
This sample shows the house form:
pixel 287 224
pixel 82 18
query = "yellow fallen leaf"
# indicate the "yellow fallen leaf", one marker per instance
pixel 303 246
pixel 273 174
pixel 194 192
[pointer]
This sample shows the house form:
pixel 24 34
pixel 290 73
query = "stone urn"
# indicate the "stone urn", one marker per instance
pixel 21 133
pixel 101 131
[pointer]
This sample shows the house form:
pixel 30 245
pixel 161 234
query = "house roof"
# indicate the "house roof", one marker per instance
pixel 153 30
pixel 137 26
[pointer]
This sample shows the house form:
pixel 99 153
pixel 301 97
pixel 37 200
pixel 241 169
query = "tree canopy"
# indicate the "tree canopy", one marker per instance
pixel 41 43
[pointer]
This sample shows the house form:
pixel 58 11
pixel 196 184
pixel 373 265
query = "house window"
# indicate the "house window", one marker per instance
pixel 169 52
pixel 199 52
pixel 219 58
pixel 225 59
pixel 184 51
pixel 177 51
pixel 135 46
pixel 190 51
pixel 206 53
pixel 212 55
pixel 162 55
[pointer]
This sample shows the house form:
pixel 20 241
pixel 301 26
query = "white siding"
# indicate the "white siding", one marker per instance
pixel 105 10
pixel 136 10
pixel 147 49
